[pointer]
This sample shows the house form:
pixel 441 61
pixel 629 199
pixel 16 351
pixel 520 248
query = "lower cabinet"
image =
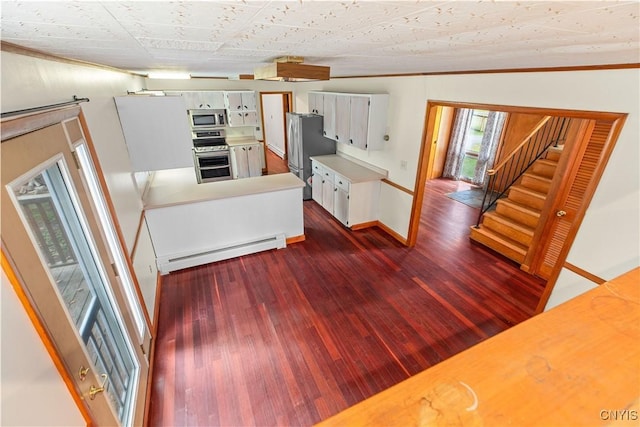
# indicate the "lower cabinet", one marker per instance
pixel 354 204
pixel 246 160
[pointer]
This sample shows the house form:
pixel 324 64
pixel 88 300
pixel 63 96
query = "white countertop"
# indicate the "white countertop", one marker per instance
pixel 241 140
pixel 350 170
pixel 179 186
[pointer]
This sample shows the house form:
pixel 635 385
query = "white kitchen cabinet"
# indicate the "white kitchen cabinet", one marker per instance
pixel 316 182
pixel 316 103
pixel 156 131
pixel 200 99
pixel 241 108
pixel 322 187
pixel 343 120
pixel 348 191
pixel 329 121
pixel 246 160
pixel 358 120
pixel 341 199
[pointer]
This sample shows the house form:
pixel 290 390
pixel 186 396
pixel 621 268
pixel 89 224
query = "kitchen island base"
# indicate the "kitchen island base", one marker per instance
pixel 192 224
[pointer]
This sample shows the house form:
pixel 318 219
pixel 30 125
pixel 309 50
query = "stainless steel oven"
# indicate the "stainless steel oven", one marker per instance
pixel 211 155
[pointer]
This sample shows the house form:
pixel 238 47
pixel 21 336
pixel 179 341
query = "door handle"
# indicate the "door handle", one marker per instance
pixel 93 390
pixel 82 373
pixel 560 213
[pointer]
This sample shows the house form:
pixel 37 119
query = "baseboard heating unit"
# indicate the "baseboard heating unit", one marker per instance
pixel 169 263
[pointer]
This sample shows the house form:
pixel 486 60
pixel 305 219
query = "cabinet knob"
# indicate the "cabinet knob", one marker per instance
pixel 350 141
pixel 335 189
pixel 337 137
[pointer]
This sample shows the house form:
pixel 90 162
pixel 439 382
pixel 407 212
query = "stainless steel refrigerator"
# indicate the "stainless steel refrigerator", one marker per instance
pixel 304 132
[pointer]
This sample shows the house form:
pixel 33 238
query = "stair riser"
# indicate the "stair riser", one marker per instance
pixel 505 229
pixel 553 155
pixel 535 184
pixel 517 215
pixel 526 199
pixel 497 246
pixel 544 169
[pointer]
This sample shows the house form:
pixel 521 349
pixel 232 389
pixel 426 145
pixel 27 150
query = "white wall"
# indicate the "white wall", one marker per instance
pixel 30 82
pixel 33 392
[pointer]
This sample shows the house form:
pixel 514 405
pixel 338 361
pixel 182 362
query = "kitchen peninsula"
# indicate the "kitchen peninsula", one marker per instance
pixel 192 224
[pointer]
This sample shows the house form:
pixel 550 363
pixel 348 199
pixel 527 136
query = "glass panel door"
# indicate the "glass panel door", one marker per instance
pixel 59 252
pixel 54 219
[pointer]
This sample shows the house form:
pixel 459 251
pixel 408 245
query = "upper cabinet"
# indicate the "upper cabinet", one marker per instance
pixel 241 108
pixel 201 99
pixel 316 103
pixel 156 131
pixel 358 120
pixel 329 114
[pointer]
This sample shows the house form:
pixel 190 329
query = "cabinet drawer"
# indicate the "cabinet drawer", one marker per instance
pixel 316 168
pixel 327 174
pixel 341 182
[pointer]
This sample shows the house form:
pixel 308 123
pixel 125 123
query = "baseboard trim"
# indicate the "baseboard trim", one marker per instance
pixel 364 225
pixel 296 239
pixel 392 233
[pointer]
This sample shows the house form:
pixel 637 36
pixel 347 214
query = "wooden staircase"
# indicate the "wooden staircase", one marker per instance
pixel 509 229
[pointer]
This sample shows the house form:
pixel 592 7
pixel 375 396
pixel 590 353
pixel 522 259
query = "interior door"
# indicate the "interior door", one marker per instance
pixel 58 251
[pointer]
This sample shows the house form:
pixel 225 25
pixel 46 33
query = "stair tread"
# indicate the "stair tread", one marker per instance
pixel 504 240
pixel 539 177
pixel 548 162
pixel 520 206
pixel 522 188
pixel 523 228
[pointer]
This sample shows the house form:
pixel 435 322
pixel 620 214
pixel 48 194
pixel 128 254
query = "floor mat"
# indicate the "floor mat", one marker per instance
pixel 472 197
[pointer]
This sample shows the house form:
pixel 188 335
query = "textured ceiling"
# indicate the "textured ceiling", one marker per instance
pixel 225 38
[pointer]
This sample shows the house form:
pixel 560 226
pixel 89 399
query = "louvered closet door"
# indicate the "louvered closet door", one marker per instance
pixel 571 203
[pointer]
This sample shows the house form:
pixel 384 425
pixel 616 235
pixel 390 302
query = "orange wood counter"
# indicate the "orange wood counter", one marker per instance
pixel 577 364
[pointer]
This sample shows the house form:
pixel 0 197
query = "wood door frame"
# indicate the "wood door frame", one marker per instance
pixel 287 104
pixel 429 128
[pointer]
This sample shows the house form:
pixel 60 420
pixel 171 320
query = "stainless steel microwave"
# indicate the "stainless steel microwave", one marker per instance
pixel 207 118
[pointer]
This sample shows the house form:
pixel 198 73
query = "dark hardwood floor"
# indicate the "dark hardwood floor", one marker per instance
pixel 275 164
pixel 292 336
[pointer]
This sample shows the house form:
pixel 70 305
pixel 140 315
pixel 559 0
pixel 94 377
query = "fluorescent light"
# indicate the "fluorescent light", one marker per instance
pixel 171 75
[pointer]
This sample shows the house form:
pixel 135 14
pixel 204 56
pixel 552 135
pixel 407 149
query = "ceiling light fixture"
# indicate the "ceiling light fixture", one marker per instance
pixel 291 69
pixel 170 75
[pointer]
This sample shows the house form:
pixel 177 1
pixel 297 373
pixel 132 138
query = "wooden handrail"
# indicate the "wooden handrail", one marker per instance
pixel 542 122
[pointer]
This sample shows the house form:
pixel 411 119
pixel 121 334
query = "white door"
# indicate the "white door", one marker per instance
pixel 249 101
pixel 359 118
pixel 343 120
pixel 254 160
pixel 56 247
pixel 341 205
pixel 329 121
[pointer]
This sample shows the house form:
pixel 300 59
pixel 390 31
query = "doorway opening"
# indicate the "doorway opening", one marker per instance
pixel 587 144
pixel 274 107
